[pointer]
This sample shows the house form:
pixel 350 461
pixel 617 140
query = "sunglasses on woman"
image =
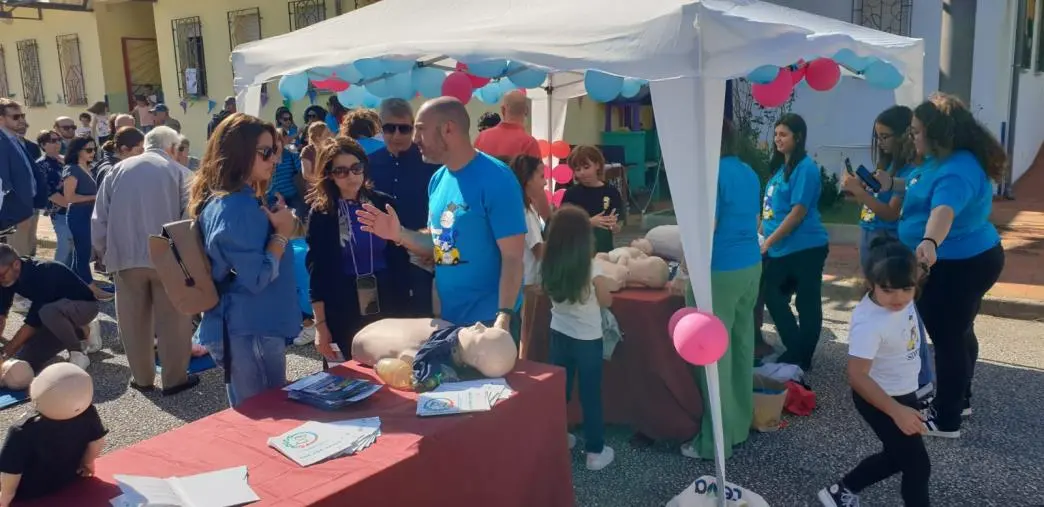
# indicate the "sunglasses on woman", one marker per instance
pixel 88 150
pixel 286 119
pixel 266 153
pixel 341 171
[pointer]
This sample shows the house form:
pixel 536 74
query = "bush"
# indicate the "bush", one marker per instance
pixel 830 197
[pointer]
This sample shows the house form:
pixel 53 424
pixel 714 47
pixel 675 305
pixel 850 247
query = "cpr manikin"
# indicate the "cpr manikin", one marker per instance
pixel 419 353
pixel 16 375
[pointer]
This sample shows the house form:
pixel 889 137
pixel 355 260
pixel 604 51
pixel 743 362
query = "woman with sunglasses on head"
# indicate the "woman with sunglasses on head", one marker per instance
pixel 350 268
pixel 795 242
pixel 246 242
pixel 946 220
pixel 79 190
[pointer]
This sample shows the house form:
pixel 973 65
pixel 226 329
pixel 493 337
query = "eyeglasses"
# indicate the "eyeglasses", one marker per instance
pixel 88 150
pixel 341 171
pixel 311 116
pixel 266 153
pixel 17 117
pixel 286 119
pixel 403 128
pixel 67 127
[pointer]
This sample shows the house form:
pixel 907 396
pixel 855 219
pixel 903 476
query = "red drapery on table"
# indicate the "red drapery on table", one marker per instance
pixel 514 455
pixel 646 385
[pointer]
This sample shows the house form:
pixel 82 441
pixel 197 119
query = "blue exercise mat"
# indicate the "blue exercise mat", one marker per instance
pixel 9 398
pixel 196 365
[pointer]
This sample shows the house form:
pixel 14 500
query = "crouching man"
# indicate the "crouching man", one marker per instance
pixel 61 309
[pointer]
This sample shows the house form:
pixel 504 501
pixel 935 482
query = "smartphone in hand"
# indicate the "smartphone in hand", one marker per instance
pixel 848 166
pixel 868 179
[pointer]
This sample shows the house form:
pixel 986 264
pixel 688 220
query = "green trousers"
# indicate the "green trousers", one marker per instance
pixel 734 293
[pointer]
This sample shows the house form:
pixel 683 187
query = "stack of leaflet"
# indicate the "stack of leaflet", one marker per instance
pixel 463 397
pixel 330 392
pixel 313 442
pixel 221 488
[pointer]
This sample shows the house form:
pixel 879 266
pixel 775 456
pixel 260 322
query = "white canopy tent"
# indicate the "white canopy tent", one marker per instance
pixel 687 49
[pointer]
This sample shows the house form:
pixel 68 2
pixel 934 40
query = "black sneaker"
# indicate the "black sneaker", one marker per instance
pixel 935 431
pixel 838 496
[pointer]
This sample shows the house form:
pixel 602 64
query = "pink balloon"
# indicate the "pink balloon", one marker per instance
pixel 556 199
pixel 457 85
pixel 547 175
pixel 673 323
pixel 476 81
pixel 799 72
pixel 822 74
pixel 550 196
pixel 777 92
pixel 562 174
pixel 700 338
pixel 332 84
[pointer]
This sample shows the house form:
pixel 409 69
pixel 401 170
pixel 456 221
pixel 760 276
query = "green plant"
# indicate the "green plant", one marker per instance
pixel 830 197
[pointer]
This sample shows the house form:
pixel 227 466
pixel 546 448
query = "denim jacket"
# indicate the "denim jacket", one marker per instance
pixel 261 299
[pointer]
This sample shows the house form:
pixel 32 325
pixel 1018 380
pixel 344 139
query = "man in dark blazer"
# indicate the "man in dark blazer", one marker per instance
pixel 17 176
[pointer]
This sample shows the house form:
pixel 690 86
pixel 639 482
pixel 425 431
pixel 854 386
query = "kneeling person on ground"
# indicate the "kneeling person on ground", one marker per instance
pixel 62 306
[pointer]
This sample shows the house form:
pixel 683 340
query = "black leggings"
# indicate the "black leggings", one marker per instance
pixel 948 305
pixel 799 274
pixel 901 453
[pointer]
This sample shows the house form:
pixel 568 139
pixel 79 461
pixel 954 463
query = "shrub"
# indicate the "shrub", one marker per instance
pixel 830 196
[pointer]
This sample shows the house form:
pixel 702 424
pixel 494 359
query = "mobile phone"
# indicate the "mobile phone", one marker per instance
pixel 868 179
pixel 848 166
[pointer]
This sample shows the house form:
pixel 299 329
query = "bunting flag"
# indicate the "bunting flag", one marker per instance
pixel 312 94
pixel 210 106
pixel 184 106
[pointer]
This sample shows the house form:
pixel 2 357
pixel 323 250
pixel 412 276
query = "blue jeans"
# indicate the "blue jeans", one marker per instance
pixel 64 242
pixel 584 359
pixel 258 364
pixel 79 217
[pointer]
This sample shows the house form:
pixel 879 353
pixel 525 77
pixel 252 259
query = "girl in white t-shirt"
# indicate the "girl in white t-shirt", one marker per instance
pixel 883 364
pixel 530 174
pixel 578 291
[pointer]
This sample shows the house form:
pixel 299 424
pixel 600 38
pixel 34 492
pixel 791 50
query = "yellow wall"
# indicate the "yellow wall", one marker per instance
pixel 583 122
pixel 116 21
pixel 54 23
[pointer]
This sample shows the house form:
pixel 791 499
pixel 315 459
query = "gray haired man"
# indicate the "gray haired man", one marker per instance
pixel 141 195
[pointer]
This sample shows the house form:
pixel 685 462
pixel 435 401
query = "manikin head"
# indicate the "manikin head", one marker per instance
pixel 16 375
pixel 490 350
pixel 62 391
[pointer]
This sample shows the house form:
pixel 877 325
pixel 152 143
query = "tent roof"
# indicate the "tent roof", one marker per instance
pixel 662 39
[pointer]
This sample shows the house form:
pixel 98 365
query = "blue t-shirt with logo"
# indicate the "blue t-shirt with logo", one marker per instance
pixel 469 210
pixel 959 182
pixel 803 187
pixel 736 213
pixel 869 221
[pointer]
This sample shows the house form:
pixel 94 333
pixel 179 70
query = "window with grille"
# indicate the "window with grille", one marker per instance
pixel 5 88
pixel 306 12
pixel 71 66
pixel 188 56
pixel 892 16
pixel 244 26
pixel 32 81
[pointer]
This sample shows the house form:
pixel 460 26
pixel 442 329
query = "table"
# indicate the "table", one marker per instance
pixel 514 455
pixel 646 385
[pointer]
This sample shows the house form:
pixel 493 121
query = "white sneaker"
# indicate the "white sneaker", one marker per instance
pixel 79 359
pixel 20 305
pixel 306 337
pixel 94 340
pixel 598 461
pixel 571 438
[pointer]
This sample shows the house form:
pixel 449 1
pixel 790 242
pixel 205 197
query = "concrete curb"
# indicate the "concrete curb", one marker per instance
pixel 1007 308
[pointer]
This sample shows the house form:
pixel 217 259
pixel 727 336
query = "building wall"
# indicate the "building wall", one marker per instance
pixel 54 23
pixel 115 22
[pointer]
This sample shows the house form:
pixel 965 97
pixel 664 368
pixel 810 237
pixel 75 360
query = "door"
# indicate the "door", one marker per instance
pixel 141 68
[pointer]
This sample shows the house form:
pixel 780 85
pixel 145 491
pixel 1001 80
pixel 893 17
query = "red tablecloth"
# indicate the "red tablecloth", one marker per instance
pixel 514 455
pixel 646 385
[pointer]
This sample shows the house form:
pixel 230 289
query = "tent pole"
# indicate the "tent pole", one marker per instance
pixel 550 130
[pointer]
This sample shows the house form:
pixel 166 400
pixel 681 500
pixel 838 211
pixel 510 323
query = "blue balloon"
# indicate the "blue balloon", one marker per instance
pixel 395 65
pixel 856 63
pixel 881 74
pixel 764 74
pixel 490 94
pixel 631 87
pixel 320 73
pixel 352 97
pixel 293 86
pixel 488 68
pixel 400 85
pixel 525 77
pixel 504 85
pixel 371 101
pixel 428 81
pixel 379 88
pixel 602 87
pixel 371 67
pixel 349 73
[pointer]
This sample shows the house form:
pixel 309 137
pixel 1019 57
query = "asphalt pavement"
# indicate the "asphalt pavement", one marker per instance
pixel 998 460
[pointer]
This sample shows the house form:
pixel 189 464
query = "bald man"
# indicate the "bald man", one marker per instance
pixel 476 221
pixel 509 139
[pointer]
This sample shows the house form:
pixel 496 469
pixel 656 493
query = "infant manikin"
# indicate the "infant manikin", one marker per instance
pixel 16 375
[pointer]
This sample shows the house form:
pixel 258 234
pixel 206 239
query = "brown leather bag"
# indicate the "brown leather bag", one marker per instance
pixel 183 267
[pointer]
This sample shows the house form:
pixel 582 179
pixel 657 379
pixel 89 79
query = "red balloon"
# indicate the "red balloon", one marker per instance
pixel 560 149
pixel 556 199
pixel 822 74
pixel 458 85
pixel 545 148
pixel 562 174
pixel 476 81
pixel 799 71
pixel 332 84
pixel 677 317
pixel 777 92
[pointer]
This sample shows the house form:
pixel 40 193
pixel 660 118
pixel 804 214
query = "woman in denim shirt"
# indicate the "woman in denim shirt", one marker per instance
pixel 51 143
pixel 246 243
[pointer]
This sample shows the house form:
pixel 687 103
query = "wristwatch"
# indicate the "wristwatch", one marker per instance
pixel 510 312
